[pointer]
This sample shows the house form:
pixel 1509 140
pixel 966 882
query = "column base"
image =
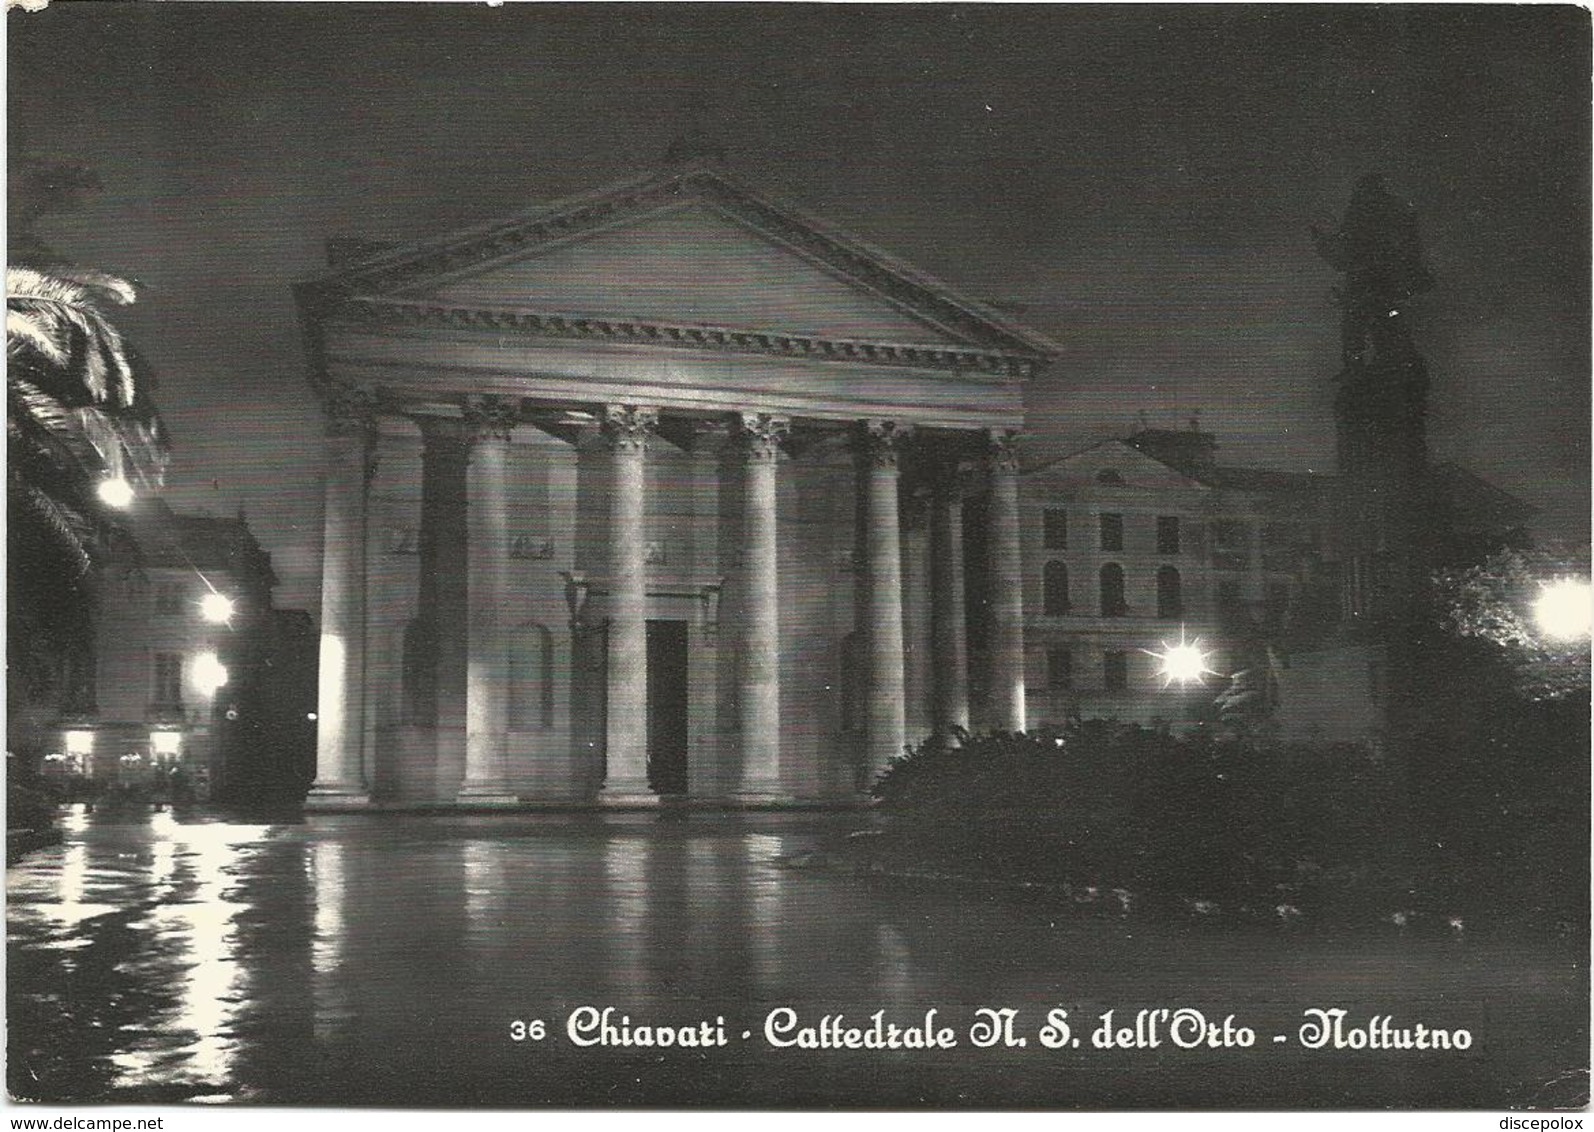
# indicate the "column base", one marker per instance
pixel 486 794
pixel 337 796
pixel 628 793
pixel 755 795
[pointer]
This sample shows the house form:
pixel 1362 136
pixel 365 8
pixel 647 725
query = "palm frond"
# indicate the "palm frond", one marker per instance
pixel 108 286
pixel 65 527
pixel 23 330
pixel 65 310
pixel 40 425
pixel 73 286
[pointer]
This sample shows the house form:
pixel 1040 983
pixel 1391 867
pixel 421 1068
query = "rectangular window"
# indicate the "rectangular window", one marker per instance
pixel 1116 671
pixel 1167 534
pixel 1059 669
pixel 1283 545
pixel 1112 532
pixel 1231 549
pixel 1231 609
pixel 1276 603
pixel 1056 528
pixel 168 599
pixel 168 679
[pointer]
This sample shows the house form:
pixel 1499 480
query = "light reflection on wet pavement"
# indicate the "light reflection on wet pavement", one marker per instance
pixel 382 959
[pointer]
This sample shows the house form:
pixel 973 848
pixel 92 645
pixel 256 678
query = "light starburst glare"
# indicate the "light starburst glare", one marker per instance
pixel 1182 663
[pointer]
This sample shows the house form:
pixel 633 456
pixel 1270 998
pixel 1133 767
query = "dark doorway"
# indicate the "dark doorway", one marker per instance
pixel 667 706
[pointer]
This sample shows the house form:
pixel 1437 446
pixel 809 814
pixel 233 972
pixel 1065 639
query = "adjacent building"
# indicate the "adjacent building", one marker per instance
pixel 1133 546
pixel 181 605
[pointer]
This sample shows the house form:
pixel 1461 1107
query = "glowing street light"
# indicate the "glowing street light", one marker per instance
pixel 1564 609
pixel 116 492
pixel 209 672
pixel 1183 663
pixel 216 608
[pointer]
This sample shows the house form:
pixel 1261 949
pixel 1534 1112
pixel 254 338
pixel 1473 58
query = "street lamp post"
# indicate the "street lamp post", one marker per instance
pixel 1563 609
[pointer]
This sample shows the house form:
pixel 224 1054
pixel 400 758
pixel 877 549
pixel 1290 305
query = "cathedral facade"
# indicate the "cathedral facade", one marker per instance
pixel 664 491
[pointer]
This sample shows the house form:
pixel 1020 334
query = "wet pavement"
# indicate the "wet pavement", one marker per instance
pixel 395 960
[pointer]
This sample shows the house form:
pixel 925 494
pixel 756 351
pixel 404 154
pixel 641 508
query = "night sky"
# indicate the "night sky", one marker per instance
pixel 1136 182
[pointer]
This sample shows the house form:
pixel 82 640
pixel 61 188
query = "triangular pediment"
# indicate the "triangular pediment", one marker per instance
pixel 690 265
pixel 1114 465
pixel 686 249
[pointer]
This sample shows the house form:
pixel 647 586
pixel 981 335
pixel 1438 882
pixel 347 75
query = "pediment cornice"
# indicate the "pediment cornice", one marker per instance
pixel 383 285
pixel 386 314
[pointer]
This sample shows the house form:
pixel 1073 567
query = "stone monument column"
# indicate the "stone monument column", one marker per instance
pixel 1007 586
pixel 918 694
pixel 948 612
pixel 758 665
pixel 488 421
pixel 886 722
pixel 442 601
pixel 626 729
pixel 340 708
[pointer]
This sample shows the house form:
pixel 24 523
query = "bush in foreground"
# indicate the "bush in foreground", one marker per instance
pixel 1276 828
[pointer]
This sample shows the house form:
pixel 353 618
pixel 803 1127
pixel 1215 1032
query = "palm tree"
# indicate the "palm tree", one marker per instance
pixel 79 411
pixel 78 404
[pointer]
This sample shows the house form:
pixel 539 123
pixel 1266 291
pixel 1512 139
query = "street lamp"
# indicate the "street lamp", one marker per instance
pixel 209 672
pixel 116 492
pixel 1182 663
pixel 1564 609
pixel 216 608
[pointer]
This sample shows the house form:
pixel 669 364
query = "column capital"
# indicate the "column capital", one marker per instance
pixel 879 441
pixel 442 432
pixel 489 418
pixel 628 427
pixel 1002 451
pixel 760 434
pixel 351 410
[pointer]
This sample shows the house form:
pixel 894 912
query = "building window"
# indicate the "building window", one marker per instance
pixel 850 675
pixel 1109 477
pixel 1377 682
pixel 168 679
pixel 1054 587
pixel 1230 607
pixel 1231 545
pixel 1170 596
pixel 168 599
pixel 1112 591
pixel 1276 603
pixel 1167 534
pixel 1059 669
pixel 531 679
pixel 1284 545
pixel 1056 523
pixel 168 743
pixel 1115 671
pixel 1112 532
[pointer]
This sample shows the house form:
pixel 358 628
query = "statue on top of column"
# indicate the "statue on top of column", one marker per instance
pixel 1377 249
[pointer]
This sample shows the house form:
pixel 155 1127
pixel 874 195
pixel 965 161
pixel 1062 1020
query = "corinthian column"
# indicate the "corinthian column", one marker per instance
pixel 1007 586
pixel 758 674
pixel 626 730
pixel 488 422
pixel 340 708
pixel 948 618
pixel 887 724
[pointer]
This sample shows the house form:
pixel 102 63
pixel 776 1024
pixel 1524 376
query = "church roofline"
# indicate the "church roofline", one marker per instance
pixel 384 276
